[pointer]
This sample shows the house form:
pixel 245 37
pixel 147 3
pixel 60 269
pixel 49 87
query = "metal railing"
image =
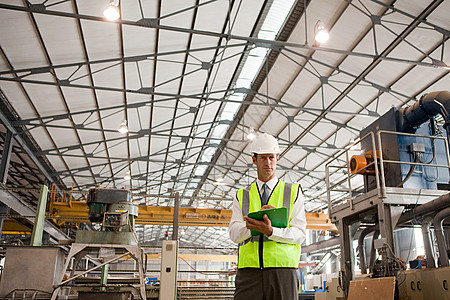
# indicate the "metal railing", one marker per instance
pixel 378 164
pixel 383 161
pixel 348 175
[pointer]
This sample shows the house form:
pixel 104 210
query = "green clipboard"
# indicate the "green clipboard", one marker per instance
pixel 278 217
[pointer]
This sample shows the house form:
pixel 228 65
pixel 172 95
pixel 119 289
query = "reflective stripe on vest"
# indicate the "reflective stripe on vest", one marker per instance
pixel 253 239
pixel 246 201
pixel 274 254
pixel 286 198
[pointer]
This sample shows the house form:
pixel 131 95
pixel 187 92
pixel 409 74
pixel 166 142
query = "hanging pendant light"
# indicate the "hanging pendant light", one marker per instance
pixel 320 32
pixel 123 127
pixel 112 12
pixel 251 134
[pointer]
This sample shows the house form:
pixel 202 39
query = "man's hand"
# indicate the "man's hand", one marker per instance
pixel 267 207
pixel 264 226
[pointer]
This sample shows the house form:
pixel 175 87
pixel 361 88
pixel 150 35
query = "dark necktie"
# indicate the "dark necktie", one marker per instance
pixel 265 195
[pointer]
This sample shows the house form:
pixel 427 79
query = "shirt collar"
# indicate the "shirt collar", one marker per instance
pixel 270 184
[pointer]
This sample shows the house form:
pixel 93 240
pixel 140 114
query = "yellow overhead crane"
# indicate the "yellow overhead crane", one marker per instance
pixel 66 210
pixel 14 227
pixel 77 212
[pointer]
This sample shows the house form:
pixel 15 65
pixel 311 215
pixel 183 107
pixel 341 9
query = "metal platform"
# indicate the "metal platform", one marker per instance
pixel 379 205
pixel 394 196
pixel 397 196
pixel 78 251
pixel 387 209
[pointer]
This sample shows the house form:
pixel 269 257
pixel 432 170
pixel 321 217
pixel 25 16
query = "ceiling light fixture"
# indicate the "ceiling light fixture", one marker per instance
pixel 220 179
pixel 112 12
pixel 320 32
pixel 270 29
pixel 251 134
pixel 127 176
pixel 123 127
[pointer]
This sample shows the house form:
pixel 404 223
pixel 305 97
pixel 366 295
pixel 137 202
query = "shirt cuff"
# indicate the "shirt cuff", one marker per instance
pixel 276 233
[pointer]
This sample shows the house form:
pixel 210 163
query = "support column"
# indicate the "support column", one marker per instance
pixel 385 226
pixel 175 216
pixel 6 157
pixel 373 251
pixel 4 210
pixel 104 277
pixel 38 228
pixel 347 269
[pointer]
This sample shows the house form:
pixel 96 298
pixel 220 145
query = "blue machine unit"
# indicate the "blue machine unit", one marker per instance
pixel 424 177
pixel 409 149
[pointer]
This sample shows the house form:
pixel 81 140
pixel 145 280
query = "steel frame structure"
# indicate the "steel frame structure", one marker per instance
pixel 301 54
pixel 382 205
pixel 78 251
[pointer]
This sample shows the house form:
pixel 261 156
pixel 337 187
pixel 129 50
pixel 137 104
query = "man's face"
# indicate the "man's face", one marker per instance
pixel 266 165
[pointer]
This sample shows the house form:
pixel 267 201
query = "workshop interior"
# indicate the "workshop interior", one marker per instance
pixel 126 130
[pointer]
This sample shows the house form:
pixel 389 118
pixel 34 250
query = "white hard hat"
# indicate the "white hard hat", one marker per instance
pixel 264 143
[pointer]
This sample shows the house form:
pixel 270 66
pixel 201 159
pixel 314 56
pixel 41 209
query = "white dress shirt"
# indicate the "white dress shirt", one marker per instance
pixel 292 235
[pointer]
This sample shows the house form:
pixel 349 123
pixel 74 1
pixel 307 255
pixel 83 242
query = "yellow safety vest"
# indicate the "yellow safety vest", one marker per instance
pixel 260 251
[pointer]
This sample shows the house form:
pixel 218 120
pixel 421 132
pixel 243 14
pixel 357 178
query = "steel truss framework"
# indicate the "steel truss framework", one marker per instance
pixel 173 115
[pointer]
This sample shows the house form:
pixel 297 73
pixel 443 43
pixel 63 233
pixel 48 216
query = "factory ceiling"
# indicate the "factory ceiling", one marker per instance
pixel 191 79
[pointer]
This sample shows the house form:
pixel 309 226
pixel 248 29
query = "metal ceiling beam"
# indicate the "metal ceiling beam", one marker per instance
pixel 40 9
pixel 336 68
pixel 57 117
pixel 23 141
pixel 94 94
pixel 6 156
pixel 180 87
pixel 367 70
pixel 60 91
pixel 173 163
pixel 152 97
pixel 264 10
pixel 21 173
pixel 65 149
pixel 422 20
pixel 283 36
pixel 125 59
pixel 391 84
pixel 24 210
pixel 13 117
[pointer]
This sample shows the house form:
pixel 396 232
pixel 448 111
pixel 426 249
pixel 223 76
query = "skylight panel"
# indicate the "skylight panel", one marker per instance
pixel 253 63
pixel 272 24
pixel 231 108
pixel 227 115
pixel 200 170
pixel 275 19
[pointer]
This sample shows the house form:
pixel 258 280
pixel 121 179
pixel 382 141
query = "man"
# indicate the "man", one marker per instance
pixel 267 264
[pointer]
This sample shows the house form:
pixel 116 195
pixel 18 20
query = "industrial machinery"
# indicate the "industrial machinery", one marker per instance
pixel 169 264
pixel 115 239
pixel 405 137
pixel 112 209
pixel 25 277
pixel 400 176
